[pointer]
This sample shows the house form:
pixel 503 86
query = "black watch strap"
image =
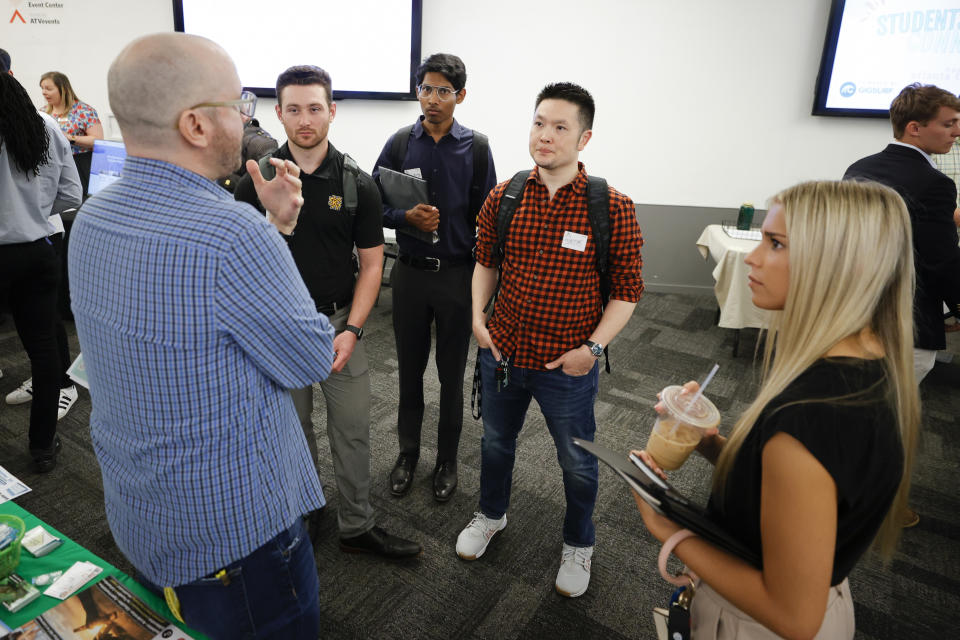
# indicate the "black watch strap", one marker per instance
pixel 357 331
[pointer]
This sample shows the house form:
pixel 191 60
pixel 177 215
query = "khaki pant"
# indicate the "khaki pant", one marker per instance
pixel 347 396
pixel 712 617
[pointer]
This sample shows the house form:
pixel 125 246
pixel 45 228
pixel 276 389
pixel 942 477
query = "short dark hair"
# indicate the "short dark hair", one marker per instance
pixel 449 65
pixel 920 103
pixel 4 61
pixel 302 75
pixel 571 93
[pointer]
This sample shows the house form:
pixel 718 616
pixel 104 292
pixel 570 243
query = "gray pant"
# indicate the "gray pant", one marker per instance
pixel 347 396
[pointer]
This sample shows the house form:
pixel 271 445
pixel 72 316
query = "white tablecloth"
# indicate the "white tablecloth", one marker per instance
pixel 733 295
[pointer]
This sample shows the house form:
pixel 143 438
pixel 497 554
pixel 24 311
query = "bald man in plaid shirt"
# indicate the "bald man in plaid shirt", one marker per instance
pixel 548 326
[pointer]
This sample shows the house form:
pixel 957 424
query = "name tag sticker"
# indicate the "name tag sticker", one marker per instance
pixel 415 172
pixel 575 241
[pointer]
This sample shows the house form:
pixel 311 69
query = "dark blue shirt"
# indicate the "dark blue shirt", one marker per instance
pixel 447 166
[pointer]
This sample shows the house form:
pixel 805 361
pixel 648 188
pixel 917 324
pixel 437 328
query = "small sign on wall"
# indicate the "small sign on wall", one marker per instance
pixel 38 14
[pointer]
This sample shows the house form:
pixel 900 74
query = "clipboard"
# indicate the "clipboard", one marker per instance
pixel 403 191
pixel 667 501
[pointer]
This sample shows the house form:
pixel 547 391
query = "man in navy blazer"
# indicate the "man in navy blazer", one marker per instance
pixel 926 120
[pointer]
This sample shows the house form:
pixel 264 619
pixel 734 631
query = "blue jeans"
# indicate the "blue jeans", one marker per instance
pixel 567 404
pixel 271 593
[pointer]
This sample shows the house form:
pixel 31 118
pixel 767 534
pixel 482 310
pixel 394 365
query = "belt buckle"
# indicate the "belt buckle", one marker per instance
pixel 432 264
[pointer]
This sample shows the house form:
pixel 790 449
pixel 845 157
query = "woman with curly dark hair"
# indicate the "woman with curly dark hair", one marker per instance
pixel 37 175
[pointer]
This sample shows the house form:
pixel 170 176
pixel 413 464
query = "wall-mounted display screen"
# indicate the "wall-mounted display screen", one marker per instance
pixel 370 48
pixel 874 48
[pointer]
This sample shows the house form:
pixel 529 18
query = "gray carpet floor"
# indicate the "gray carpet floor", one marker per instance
pixel 509 592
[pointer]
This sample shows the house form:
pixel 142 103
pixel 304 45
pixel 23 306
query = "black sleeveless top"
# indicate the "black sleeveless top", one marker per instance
pixel 857 441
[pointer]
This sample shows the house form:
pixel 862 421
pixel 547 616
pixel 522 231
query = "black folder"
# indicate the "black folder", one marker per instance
pixel 403 191
pixel 667 501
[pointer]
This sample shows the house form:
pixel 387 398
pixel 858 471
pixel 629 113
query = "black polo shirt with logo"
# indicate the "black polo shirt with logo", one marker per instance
pixel 323 240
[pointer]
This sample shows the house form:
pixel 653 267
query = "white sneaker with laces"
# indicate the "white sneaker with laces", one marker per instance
pixel 574 575
pixel 22 394
pixel 67 397
pixel 473 541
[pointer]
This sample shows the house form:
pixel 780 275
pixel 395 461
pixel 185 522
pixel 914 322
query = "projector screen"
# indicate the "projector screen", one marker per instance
pixel 874 49
pixel 370 48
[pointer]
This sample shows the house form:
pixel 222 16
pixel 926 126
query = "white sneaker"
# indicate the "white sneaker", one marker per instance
pixel 67 397
pixel 473 541
pixel 574 575
pixel 22 394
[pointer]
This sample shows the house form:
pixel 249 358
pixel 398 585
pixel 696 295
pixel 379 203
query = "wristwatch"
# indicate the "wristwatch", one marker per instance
pixel 357 331
pixel 595 348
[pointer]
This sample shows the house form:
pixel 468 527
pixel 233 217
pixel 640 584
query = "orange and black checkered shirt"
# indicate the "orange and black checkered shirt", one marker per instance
pixel 549 299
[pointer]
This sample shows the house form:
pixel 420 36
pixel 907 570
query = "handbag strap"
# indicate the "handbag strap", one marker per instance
pixel 683 579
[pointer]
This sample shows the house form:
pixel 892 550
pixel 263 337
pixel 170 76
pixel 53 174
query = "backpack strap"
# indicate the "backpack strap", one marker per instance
pixel 481 149
pixel 598 212
pixel 398 150
pixel 351 171
pixel 508 205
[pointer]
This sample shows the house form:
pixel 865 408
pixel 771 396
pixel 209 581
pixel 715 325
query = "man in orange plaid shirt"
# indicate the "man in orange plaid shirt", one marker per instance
pixel 549 326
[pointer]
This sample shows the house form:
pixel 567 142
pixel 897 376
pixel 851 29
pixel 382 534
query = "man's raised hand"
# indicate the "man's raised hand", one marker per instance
pixel 281 197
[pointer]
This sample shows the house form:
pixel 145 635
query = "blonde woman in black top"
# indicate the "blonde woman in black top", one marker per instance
pixel 818 465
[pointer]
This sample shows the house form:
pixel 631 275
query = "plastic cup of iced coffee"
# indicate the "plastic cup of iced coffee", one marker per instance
pixel 679 429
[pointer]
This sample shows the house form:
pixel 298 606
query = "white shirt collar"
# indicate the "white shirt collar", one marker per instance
pixel 918 150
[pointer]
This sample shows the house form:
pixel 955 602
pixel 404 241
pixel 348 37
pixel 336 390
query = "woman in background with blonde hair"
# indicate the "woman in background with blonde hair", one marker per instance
pixel 79 121
pixel 817 467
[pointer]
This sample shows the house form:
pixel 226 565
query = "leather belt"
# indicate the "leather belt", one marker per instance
pixel 432 264
pixel 332 307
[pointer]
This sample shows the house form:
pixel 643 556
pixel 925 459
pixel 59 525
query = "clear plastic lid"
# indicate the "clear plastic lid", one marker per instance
pixel 703 415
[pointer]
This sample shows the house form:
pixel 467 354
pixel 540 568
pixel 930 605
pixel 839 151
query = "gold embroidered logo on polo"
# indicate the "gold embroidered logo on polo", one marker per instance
pixel 335 202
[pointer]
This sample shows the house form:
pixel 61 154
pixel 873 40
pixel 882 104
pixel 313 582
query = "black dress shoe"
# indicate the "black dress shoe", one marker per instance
pixel 378 541
pixel 45 460
pixel 402 475
pixel 444 481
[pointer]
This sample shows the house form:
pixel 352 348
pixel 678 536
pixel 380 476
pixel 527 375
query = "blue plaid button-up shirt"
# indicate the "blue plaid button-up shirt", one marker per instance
pixel 193 322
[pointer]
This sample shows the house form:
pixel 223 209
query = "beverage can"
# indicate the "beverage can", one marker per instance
pixel 745 216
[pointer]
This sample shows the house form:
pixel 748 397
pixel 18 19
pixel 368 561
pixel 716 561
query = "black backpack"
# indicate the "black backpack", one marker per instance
pixel 598 212
pixel 481 146
pixel 351 171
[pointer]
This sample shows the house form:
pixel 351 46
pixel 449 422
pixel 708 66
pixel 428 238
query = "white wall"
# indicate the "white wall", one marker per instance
pixel 699 102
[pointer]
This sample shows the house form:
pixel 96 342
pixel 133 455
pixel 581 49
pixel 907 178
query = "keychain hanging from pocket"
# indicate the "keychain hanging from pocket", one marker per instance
pixel 502 374
pixel 678 618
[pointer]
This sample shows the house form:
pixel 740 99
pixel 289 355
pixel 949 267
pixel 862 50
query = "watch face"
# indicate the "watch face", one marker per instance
pixel 596 349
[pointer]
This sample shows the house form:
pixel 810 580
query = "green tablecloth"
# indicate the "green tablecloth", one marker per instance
pixel 62 558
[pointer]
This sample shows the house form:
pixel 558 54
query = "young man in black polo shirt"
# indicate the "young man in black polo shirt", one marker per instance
pixel 322 244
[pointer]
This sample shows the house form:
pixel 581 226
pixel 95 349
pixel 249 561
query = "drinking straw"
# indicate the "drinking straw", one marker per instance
pixel 703 385
pixel 696 396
